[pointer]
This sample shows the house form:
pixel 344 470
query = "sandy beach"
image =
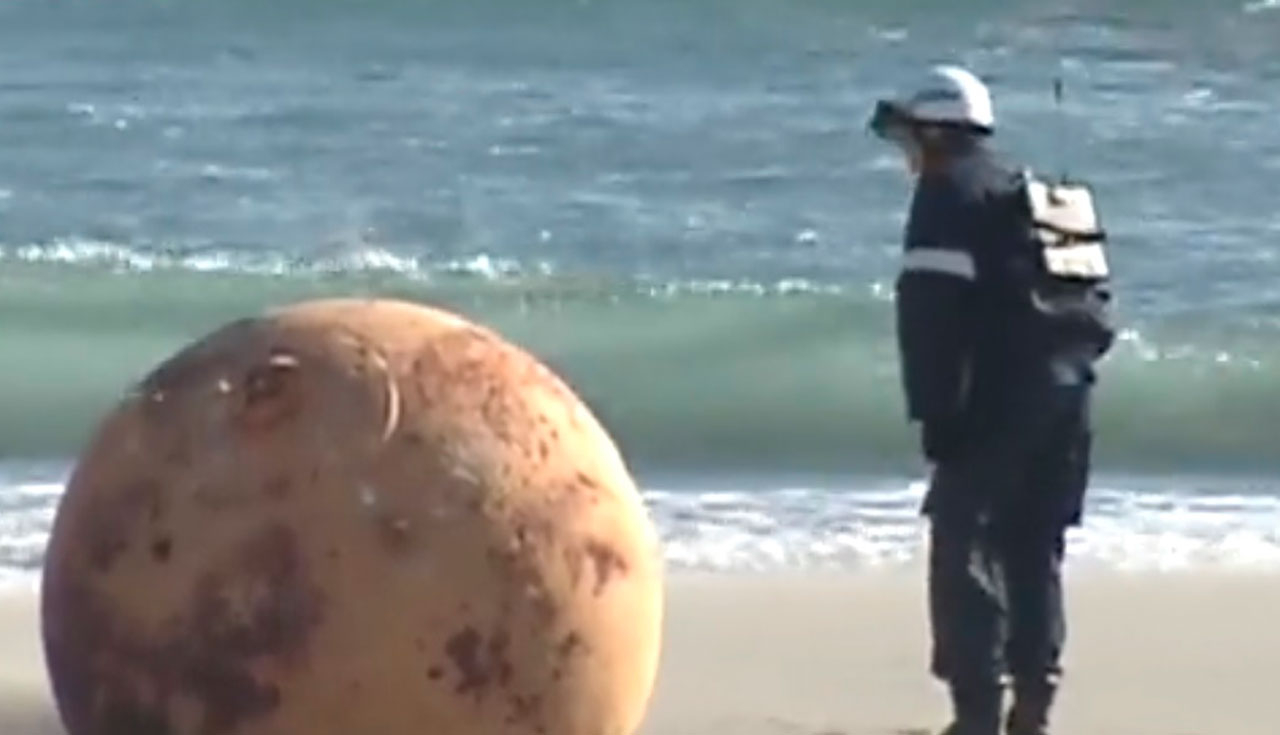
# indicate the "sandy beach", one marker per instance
pixel 1172 654
pixel 1179 654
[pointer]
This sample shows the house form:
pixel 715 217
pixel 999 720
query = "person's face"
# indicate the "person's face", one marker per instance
pixel 892 126
pixel 906 141
pixel 913 155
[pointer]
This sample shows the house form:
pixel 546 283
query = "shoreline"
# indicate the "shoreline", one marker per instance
pixel 732 529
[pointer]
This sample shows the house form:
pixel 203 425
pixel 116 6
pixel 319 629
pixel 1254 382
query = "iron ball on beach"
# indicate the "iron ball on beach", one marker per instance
pixel 352 516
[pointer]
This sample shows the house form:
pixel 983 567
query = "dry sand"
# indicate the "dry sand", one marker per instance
pixel 1166 655
pixel 1175 654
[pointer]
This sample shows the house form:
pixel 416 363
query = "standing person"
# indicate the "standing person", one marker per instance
pixel 1002 310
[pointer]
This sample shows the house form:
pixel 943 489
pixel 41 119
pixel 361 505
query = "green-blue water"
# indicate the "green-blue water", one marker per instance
pixel 673 203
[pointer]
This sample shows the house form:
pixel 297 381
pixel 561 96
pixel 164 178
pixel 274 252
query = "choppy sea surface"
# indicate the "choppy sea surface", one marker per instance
pixel 672 203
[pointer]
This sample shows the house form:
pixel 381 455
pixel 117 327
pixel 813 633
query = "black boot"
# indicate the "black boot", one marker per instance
pixel 1029 714
pixel 977 710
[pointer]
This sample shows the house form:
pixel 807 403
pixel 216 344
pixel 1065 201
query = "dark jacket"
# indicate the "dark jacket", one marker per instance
pixel 973 348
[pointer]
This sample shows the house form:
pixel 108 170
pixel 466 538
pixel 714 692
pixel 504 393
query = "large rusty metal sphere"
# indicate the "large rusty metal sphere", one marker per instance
pixel 352 517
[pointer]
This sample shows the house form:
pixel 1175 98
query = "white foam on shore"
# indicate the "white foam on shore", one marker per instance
pixel 804 529
pixel 812 529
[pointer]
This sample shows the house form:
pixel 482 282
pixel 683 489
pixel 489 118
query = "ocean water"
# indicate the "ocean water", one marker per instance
pixel 672 203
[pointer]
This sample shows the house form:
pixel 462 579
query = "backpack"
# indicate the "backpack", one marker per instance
pixel 1070 290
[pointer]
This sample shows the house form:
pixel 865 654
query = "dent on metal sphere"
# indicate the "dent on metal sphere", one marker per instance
pixel 352 516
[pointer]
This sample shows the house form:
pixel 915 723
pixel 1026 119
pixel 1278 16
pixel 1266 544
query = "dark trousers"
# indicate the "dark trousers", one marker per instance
pixel 998 515
pixel 995 602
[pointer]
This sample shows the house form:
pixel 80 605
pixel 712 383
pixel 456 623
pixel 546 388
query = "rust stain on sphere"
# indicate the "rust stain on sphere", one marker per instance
pixel 351 516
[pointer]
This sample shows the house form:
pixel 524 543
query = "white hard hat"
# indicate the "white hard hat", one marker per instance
pixel 951 95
